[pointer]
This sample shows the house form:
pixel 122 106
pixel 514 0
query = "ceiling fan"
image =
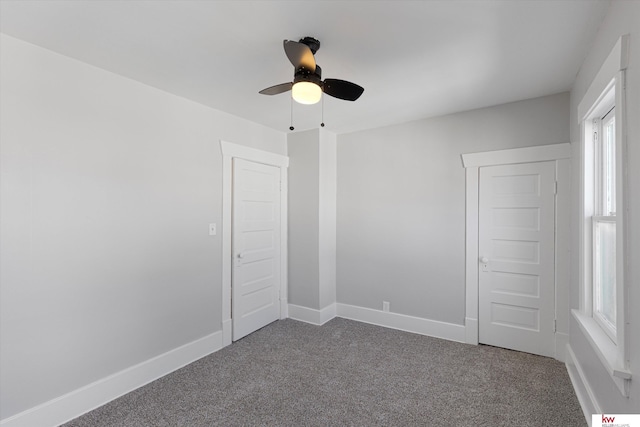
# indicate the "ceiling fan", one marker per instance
pixel 307 85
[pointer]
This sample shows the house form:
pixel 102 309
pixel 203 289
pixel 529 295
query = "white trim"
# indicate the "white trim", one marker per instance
pixel 584 392
pixel 564 209
pixel 71 405
pixel 471 330
pixel 472 162
pixel 328 313
pixel 605 349
pixel 229 149
pixel 614 357
pixel 229 152
pixel 313 316
pixel 227 191
pixel 540 153
pixel 226 332
pixel 284 239
pixel 617 60
pixel 417 325
pixel 471 245
pixel 562 340
pixel 284 308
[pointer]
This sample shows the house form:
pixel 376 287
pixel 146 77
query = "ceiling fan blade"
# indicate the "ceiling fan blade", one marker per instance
pixel 274 90
pixel 300 55
pixel 342 89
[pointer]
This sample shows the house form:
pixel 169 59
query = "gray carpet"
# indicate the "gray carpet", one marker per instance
pixel 350 373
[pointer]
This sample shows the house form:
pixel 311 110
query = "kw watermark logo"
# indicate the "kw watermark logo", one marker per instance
pixel 615 420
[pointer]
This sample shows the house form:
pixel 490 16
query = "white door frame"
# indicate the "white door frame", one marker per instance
pixel 229 152
pixel 472 162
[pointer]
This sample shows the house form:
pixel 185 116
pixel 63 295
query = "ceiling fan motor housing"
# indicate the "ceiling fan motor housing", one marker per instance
pixel 304 75
pixel 314 44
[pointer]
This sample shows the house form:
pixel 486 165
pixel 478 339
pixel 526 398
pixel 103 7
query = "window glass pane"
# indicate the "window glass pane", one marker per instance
pixel 609 165
pixel 605 270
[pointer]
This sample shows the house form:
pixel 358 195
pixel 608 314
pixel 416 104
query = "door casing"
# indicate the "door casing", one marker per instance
pixel 229 152
pixel 561 153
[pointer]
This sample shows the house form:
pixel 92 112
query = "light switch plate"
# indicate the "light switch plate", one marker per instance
pixel 212 229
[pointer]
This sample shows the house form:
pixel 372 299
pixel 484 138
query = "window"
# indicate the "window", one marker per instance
pixel 602 317
pixel 604 223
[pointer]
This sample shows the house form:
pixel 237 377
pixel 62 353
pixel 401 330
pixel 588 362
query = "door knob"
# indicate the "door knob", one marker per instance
pixel 484 263
pixel 240 255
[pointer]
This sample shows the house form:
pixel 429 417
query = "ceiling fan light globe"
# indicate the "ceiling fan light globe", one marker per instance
pixel 306 93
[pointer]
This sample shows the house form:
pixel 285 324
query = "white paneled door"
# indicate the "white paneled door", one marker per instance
pixel 255 246
pixel 517 253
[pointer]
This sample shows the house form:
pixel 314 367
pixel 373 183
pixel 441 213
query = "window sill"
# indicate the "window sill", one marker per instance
pixel 606 351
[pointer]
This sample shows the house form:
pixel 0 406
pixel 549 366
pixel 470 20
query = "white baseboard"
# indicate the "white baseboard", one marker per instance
pixel 471 330
pixel 417 325
pixel 227 332
pixel 310 315
pixel 304 314
pixel 583 390
pixel 562 340
pixel 284 308
pixel 328 313
pixel 89 397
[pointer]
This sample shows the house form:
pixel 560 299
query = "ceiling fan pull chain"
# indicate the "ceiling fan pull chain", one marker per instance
pixel 291 127
pixel 322 122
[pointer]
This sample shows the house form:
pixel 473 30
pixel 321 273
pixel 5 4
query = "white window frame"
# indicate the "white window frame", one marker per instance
pixel 607 89
pixel 600 115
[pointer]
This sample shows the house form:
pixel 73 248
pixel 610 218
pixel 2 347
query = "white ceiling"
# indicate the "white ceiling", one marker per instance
pixel 415 59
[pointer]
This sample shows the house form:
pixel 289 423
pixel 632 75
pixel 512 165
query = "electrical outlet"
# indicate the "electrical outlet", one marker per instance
pixel 385 306
pixel 212 229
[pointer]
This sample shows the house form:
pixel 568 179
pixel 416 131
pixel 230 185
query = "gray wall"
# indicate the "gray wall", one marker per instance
pixel 623 18
pixel 107 190
pixel 401 203
pixel 304 202
pixel 327 159
pixel 312 218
